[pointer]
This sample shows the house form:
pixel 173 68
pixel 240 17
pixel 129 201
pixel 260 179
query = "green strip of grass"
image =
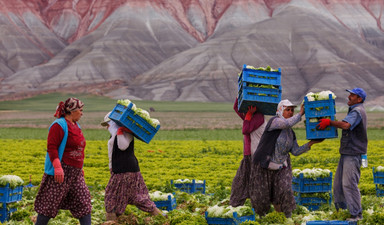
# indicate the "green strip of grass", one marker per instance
pixel 192 134
pixel 48 102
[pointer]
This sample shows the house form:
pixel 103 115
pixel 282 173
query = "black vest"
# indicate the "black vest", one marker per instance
pixel 266 147
pixel 354 142
pixel 124 161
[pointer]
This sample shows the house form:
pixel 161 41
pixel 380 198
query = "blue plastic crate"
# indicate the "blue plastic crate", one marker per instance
pixel 312 132
pixel 8 195
pixel 169 204
pixel 379 190
pixel 235 220
pixel 378 177
pixel 309 185
pixel 125 116
pixel 331 222
pixel 190 187
pixel 321 108
pixel 259 76
pixel 5 213
pixel 312 203
pixel 265 99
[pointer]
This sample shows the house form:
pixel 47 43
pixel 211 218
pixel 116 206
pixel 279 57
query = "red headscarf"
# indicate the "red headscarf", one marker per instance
pixel 70 105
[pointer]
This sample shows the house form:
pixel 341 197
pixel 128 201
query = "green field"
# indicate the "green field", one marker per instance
pixel 196 141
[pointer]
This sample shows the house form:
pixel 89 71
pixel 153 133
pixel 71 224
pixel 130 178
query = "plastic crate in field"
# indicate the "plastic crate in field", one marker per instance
pixel 378 177
pixel 8 195
pixel 331 222
pixel 312 203
pixel 169 204
pixel 235 220
pixel 379 190
pixel 192 187
pixel 125 116
pixel 309 185
pixel 6 213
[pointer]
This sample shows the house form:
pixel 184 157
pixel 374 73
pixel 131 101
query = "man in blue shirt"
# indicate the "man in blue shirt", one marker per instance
pixel 353 144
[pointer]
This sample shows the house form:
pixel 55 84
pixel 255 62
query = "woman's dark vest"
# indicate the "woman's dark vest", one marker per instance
pixel 124 161
pixel 354 142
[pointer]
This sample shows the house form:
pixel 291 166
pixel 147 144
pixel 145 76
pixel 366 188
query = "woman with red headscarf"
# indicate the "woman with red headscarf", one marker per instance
pixel 63 185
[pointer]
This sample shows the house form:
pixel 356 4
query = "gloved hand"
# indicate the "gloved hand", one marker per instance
pixel 324 123
pixel 121 130
pixel 251 110
pixel 58 170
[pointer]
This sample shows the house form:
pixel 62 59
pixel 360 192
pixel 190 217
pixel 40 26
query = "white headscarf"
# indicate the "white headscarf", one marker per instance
pixel 112 127
pixel 283 104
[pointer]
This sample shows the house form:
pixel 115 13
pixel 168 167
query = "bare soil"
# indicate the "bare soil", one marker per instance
pixel 169 120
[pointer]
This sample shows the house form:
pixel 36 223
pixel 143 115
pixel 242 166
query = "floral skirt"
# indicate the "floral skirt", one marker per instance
pixel 272 187
pixel 72 194
pixel 240 183
pixel 127 188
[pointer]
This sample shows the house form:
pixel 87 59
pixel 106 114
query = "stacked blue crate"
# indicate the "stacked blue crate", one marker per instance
pixel 169 204
pixel 316 110
pixel 304 186
pixel 265 99
pixel 192 187
pixel 233 221
pixel 378 180
pixel 9 195
pixel 125 116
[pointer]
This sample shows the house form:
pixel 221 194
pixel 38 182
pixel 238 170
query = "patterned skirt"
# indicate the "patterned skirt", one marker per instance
pixel 272 187
pixel 240 183
pixel 72 194
pixel 127 188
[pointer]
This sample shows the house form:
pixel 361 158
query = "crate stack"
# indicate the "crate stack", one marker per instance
pixel 125 116
pixel 306 189
pixel 9 195
pixel 168 205
pixel 190 187
pixel 232 221
pixel 251 91
pixel 315 110
pixel 378 180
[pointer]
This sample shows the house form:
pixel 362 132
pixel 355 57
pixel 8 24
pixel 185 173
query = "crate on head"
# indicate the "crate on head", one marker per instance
pixel 8 195
pixel 265 99
pixel 310 185
pixel 169 204
pixel 331 222
pixel 315 110
pixel 233 221
pixel 125 116
pixel 192 187
pixel 5 213
pixel 259 88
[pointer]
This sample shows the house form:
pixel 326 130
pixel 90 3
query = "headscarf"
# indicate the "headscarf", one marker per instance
pixel 113 127
pixel 283 104
pixel 71 104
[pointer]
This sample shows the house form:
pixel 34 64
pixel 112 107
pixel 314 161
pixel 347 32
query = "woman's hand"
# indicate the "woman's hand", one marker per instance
pixel 302 111
pixel 315 141
pixel 121 131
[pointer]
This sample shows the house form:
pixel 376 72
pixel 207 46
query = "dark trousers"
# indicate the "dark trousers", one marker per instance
pixel 345 190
